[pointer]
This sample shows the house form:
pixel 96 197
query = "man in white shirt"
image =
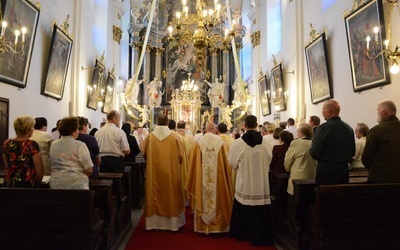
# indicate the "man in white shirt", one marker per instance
pixel 113 144
pixel 291 128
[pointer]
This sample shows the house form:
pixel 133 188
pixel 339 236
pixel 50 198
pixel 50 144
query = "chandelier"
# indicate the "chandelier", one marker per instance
pixel 203 28
pixel 12 46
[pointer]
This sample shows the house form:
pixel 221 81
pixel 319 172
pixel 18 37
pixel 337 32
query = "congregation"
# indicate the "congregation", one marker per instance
pixel 226 179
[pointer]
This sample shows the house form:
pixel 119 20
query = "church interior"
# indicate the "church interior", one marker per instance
pixel 198 61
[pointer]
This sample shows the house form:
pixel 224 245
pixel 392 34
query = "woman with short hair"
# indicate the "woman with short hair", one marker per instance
pixel 21 156
pixel 70 160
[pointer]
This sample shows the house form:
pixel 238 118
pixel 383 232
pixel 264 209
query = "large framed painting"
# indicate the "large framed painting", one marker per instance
pixel 109 93
pixel 57 66
pixel 96 89
pixel 278 88
pixel 264 96
pixel 318 70
pixel 181 62
pixel 365 30
pixel 15 60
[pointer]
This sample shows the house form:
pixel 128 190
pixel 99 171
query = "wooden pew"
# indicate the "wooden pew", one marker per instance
pixel 49 219
pixel 298 204
pixel 108 208
pixel 355 216
pixel 121 190
pixel 137 181
pixel 279 197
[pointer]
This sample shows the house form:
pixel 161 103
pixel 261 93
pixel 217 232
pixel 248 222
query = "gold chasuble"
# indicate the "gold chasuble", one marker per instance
pixel 164 204
pixel 209 184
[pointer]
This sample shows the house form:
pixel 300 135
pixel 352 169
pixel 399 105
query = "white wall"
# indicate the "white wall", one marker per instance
pixel 356 107
pixel 29 101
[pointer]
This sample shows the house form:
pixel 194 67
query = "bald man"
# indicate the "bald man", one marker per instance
pixel 381 153
pixel 333 147
pixel 209 184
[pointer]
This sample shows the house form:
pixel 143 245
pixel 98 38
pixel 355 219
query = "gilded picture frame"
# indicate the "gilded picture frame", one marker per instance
pixel 57 66
pixel 318 70
pixel 368 67
pixel 264 96
pixel 109 93
pixel 278 88
pixel 97 85
pixel 14 68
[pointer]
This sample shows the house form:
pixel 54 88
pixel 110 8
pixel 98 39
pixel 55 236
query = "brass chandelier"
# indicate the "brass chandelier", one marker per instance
pixel 203 28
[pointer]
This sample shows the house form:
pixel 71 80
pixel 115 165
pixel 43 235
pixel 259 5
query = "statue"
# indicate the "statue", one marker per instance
pixel 216 93
pixel 132 90
pixel 154 88
pixel 144 114
pixel 241 93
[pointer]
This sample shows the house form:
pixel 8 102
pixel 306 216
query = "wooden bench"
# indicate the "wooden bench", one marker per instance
pixel 49 219
pixel 137 181
pixel 279 197
pixel 121 190
pixel 298 204
pixel 355 216
pixel 108 208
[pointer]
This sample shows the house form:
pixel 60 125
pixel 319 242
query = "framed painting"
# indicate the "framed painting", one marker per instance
pixel 365 30
pixel 181 63
pixel 318 70
pixel 109 93
pixel 96 89
pixel 264 96
pixel 15 61
pixel 278 90
pixel 57 66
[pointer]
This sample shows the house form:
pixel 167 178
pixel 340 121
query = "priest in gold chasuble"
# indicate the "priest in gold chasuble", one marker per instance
pixel 209 184
pixel 164 204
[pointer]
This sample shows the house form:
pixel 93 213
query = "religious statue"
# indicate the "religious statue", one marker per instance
pixel 144 114
pixel 154 88
pixel 241 93
pixel 132 90
pixel 216 92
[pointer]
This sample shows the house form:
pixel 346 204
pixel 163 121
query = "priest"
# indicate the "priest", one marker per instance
pixel 209 184
pixel 164 205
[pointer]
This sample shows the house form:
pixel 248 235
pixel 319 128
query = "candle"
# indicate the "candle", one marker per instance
pixel 386 43
pixel 23 33
pixel 376 30
pixel 368 39
pixel 170 29
pixel 17 32
pixel 3 28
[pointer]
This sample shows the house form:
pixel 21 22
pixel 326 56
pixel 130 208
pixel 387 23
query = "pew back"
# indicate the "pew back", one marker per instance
pixel 356 216
pixel 47 218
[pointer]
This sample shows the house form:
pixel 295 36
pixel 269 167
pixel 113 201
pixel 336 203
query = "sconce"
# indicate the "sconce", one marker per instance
pixel 96 89
pixel 10 46
pixel 278 99
pixel 373 50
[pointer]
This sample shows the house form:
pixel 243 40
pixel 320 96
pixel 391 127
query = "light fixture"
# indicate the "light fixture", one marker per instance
pixel 8 43
pixel 374 50
pixel 187 93
pixel 96 89
pixel 278 98
pixel 208 32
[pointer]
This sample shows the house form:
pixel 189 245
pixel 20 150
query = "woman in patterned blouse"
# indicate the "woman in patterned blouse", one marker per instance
pixel 21 156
